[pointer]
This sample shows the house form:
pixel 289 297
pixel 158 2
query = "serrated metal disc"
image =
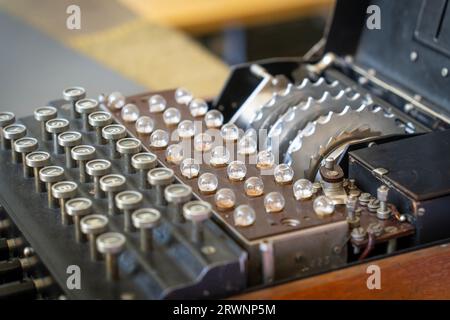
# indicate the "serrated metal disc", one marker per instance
pixel 296 118
pixel 333 131
pixel 292 96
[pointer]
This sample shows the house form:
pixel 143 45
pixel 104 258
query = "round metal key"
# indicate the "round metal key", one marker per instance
pixel 81 154
pixel 177 195
pixel 55 127
pixel 49 175
pixel 97 168
pixel 93 225
pixel 128 201
pixel 12 133
pixel 77 208
pixel 111 184
pixel 112 133
pixel 160 178
pixel 98 120
pixel 73 94
pixel 111 244
pixel 42 115
pixel 6 119
pixel 67 140
pixel 127 147
pixel 64 190
pixel 86 107
pixel 143 162
pixel 145 220
pixel 37 160
pixel 197 212
pixel 25 146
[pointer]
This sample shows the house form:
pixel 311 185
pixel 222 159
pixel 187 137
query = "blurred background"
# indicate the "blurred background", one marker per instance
pixel 138 45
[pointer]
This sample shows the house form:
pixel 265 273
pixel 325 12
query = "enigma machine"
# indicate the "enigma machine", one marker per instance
pixel 299 167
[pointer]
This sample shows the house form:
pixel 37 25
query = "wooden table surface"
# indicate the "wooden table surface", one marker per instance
pixel 201 16
pixel 421 274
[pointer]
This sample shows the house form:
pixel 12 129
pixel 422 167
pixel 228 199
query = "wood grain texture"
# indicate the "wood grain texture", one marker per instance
pixel 421 274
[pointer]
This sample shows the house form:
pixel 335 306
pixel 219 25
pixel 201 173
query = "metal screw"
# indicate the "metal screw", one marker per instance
pixel 98 168
pixel 50 175
pixel 352 219
pixel 444 72
pixel 37 160
pixel 68 140
pixel 25 146
pixel 78 208
pixel 373 205
pixel 145 220
pixel 98 120
pixel 81 154
pixel 42 115
pixel 177 195
pixel 111 244
pixel 55 127
pixel 160 178
pixel 143 162
pixel 128 201
pixel 73 94
pixel 6 119
pixel 197 212
pixel 64 190
pixel 92 226
pixel 358 234
pixel 383 212
pixel 127 147
pixel 413 56
pixel 364 198
pixel 14 132
pixel 375 228
pixel 86 107
pixel 112 134
pixel 112 184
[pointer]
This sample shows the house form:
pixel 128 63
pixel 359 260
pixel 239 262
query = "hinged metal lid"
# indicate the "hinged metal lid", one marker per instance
pixel 411 50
